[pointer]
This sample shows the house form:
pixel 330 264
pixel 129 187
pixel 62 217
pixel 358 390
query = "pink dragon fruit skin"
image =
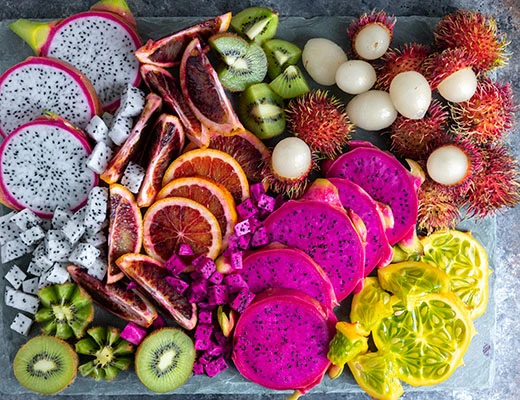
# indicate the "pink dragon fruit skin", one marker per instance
pixel 290 268
pixel 284 330
pixel 385 179
pixel 327 235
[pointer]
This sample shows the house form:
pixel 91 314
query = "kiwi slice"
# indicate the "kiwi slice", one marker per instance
pixel 45 365
pixel 66 310
pixel 111 353
pixel 164 360
pixel 243 63
pixel 256 23
pixel 280 54
pixel 262 111
pixel 290 83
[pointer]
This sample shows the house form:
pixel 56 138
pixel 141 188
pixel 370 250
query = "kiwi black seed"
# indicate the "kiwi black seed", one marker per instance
pixel 45 365
pixel 290 83
pixel 256 23
pixel 164 360
pixel 280 54
pixel 261 111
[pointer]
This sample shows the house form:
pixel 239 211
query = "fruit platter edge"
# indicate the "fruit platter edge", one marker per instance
pixel 478 372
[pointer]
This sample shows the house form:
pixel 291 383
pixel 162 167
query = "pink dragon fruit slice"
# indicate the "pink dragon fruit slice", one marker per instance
pixel 282 339
pixel 43 166
pixel 290 268
pixel 105 37
pixel 46 84
pixel 386 180
pixel 327 234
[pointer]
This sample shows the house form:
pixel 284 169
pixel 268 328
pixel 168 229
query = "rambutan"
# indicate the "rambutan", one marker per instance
pixel 497 185
pixel 411 138
pixel 487 115
pixel 407 58
pixel 476 33
pixel 371 34
pixel 320 120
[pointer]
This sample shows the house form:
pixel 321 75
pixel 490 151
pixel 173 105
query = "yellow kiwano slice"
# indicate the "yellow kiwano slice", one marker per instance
pixel 412 278
pixel 376 374
pixel 466 263
pixel 348 342
pixel 427 338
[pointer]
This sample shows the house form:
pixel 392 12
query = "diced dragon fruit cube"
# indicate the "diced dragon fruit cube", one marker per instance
pixel 206 358
pixel 202 336
pixel 256 190
pixel 216 278
pixel 201 344
pixel 198 368
pixel 21 324
pixel 132 101
pixel 205 267
pixel 214 350
pixel 221 338
pixel 254 224
pixel 43 282
pixel 247 209
pixel 218 294
pixel 266 202
pixel 8 229
pixel 205 316
pixel 121 128
pixel 26 219
pixel 133 333
pixel 15 276
pixel 73 231
pixel 98 269
pixel 197 291
pixel 21 301
pixel 96 209
pixel 175 265
pixel 13 249
pixel 235 283
pixel 242 300
pixel 99 158
pixel 95 239
pixel 235 259
pixel 58 274
pixel 34 268
pixel 30 285
pixel 33 235
pixel 133 177
pixel 185 250
pixel 242 228
pixel 244 242
pixel 260 237
pixel 58 247
pixel 84 255
pixel 60 217
pixel 215 367
pixel 79 215
pixel 178 284
pixel 97 129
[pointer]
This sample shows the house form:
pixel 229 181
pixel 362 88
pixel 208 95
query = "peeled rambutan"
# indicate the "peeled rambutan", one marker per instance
pixel 320 120
pixel 497 185
pixel 476 33
pixel 407 58
pixel 487 115
pixel 411 138
pixel 371 34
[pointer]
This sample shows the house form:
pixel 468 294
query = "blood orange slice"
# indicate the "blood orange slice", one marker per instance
pixel 175 220
pixel 210 194
pixel 212 164
pixel 125 229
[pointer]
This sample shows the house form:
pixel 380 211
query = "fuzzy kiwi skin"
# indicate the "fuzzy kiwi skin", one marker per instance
pixel 29 351
pixel 266 20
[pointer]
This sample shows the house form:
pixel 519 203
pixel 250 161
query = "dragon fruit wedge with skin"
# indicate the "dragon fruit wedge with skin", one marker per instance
pixel 327 234
pixel 386 180
pixel 107 39
pixel 42 84
pixel 43 166
pixel 282 339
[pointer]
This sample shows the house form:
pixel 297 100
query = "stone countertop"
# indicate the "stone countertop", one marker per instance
pixel 507 253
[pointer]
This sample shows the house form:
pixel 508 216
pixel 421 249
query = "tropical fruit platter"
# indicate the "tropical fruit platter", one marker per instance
pixel 251 203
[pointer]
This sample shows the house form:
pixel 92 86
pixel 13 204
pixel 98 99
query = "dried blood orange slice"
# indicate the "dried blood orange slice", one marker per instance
pixel 167 51
pixel 205 94
pixel 125 229
pixel 212 164
pixel 210 194
pixel 175 220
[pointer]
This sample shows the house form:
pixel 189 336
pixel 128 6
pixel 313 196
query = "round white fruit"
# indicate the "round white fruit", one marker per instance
pixel 372 41
pixel 459 86
pixel 411 94
pixel 355 76
pixel 372 110
pixel 447 165
pixel 291 158
pixel 321 58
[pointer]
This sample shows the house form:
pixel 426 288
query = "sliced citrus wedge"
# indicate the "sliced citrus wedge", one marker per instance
pixel 210 194
pixel 125 229
pixel 212 164
pixel 175 220
pixel 427 337
pixel 466 263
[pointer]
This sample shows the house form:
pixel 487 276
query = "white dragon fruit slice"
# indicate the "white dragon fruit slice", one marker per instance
pixel 32 236
pixel 8 229
pixel 133 177
pixel 21 301
pixel 97 129
pixel 58 247
pixel 43 166
pixel 14 249
pixel 58 274
pixel 42 84
pixel 30 285
pixel 132 102
pixel 100 157
pixel 15 276
pixel 84 255
pixel 60 217
pixel 21 324
pixel 121 129
pixel 26 219
pixel 96 209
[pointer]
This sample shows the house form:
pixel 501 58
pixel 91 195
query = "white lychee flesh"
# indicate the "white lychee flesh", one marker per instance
pixel 411 94
pixel 355 76
pixel 372 110
pixel 321 58
pixel 459 86
pixel 448 165
pixel 291 158
pixel 372 41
